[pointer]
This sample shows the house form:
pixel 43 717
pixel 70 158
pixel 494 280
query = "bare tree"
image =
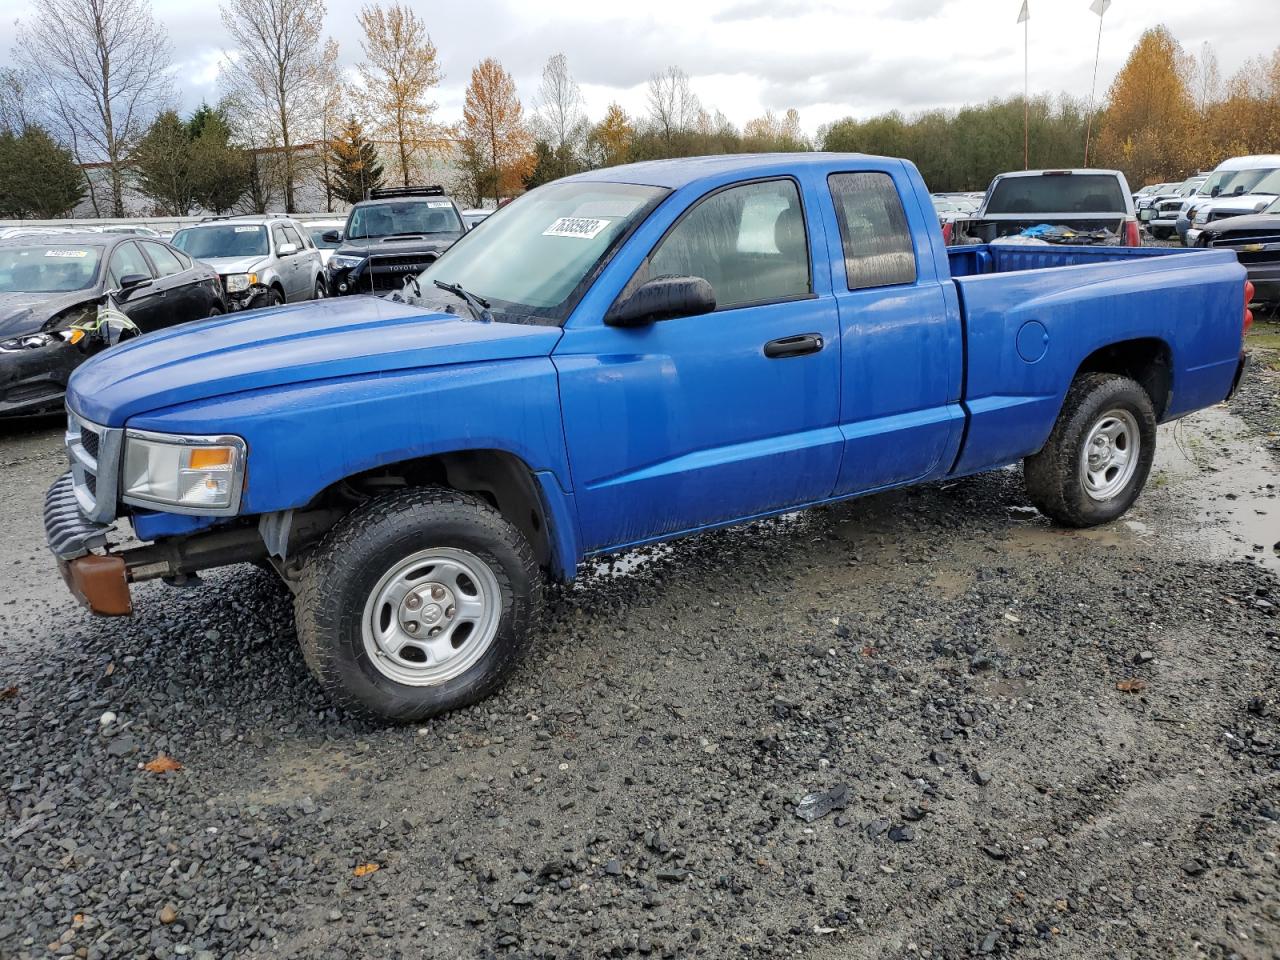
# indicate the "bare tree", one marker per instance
pixel 98 70
pixel 673 106
pixel 559 117
pixel 1207 82
pixel 399 71
pixel 15 94
pixel 276 77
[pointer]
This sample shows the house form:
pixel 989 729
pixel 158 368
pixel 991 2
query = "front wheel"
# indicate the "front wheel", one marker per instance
pixel 321 291
pixel 417 603
pixel 1099 454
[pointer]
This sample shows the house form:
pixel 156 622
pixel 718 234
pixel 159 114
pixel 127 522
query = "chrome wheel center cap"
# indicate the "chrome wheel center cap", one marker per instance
pixel 428 607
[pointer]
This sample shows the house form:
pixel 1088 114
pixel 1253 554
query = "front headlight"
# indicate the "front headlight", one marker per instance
pixel 1202 215
pixel 240 282
pixel 194 474
pixel 342 262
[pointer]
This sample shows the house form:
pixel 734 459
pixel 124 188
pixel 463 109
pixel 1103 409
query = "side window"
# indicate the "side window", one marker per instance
pixel 291 236
pixel 873 230
pixel 166 262
pixel 127 260
pixel 277 237
pixel 748 242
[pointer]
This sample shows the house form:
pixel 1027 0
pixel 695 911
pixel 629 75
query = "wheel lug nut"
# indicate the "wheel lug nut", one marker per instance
pixel 435 632
pixel 437 593
pixel 413 603
pixel 449 612
pixel 411 627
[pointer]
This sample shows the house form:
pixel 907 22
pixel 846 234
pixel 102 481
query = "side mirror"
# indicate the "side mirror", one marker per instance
pixel 1215 191
pixel 331 236
pixel 663 298
pixel 287 250
pixel 134 281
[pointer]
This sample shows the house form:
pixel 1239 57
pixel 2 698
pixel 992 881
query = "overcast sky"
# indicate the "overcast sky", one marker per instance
pixel 827 59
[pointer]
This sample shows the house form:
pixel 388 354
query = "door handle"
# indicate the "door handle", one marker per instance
pixel 796 346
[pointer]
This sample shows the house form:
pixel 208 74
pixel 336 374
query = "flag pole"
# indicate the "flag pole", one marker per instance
pixel 1093 87
pixel 1026 102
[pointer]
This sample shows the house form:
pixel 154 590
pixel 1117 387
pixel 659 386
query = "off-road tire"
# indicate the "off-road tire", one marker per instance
pixel 1053 476
pixel 340 573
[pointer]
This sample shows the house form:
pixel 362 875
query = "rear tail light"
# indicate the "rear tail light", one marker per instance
pixel 946 233
pixel 1248 299
pixel 1132 238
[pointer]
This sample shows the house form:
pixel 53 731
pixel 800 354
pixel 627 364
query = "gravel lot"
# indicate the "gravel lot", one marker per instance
pixel 942 654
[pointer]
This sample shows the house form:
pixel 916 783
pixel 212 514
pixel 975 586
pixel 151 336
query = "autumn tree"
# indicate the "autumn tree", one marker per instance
pixel 771 133
pixel 497 146
pixel 399 72
pixel 1149 130
pixel 98 70
pixel 276 77
pixel 610 139
pixel 354 163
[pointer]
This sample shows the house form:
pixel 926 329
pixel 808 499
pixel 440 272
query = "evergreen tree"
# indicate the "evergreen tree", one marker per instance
pixel 38 178
pixel 355 165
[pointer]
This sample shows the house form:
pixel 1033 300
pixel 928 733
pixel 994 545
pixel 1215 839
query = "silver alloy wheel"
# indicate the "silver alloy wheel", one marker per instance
pixel 1110 455
pixel 432 616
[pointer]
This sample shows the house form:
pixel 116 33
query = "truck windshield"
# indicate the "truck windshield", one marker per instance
pixel 403 218
pixel 1268 184
pixel 1058 193
pixel 535 257
pixel 1232 183
pixel 47 269
pixel 224 240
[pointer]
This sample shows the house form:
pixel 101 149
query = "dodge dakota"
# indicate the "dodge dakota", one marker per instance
pixel 620 357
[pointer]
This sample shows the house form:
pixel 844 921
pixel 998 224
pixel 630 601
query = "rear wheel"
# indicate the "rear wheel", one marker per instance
pixel 417 603
pixel 1099 454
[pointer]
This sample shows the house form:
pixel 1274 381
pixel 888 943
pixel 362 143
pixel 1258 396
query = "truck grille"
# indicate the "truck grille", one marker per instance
pixel 389 273
pixel 94 452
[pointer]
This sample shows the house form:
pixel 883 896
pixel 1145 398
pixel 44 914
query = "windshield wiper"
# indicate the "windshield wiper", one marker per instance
pixel 479 305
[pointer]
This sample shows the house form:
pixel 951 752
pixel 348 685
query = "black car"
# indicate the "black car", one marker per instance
pixel 394 234
pixel 53 293
pixel 1256 240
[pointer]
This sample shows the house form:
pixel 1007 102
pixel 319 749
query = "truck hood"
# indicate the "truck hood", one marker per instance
pixel 424 243
pixel 261 349
pixel 1241 206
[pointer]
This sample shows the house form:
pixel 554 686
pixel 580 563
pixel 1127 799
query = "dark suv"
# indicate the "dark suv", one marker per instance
pixel 394 234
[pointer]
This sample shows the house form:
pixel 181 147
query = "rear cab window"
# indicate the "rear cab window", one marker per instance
pixel 1058 193
pixel 874 234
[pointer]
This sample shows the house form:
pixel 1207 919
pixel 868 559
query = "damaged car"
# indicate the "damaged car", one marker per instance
pixel 65 297
pixel 263 261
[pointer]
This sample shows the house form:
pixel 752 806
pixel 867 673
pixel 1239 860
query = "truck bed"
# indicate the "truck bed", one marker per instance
pixel 1034 315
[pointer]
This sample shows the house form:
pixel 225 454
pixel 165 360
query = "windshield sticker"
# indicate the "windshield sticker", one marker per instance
pixel 247 229
pixel 436 204
pixel 583 228
pixel 72 254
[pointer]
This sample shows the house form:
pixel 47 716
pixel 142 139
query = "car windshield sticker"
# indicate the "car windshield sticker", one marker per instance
pixel 583 228
pixel 247 229
pixel 73 254
pixel 438 203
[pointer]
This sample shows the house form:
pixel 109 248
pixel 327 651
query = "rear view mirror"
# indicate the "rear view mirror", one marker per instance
pixel 663 298
pixel 287 249
pixel 331 236
pixel 132 281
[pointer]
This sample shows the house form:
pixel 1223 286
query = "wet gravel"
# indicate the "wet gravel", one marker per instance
pixel 1030 741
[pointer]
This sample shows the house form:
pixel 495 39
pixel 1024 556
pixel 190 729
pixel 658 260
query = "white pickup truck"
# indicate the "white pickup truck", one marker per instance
pixel 1081 206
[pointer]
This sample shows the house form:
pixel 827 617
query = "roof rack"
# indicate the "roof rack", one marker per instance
pixel 383 193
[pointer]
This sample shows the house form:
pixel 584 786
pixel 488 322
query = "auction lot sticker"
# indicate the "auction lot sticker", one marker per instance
pixel 72 254
pixel 583 228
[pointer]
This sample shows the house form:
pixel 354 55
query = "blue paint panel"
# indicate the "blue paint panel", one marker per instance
pixel 154 525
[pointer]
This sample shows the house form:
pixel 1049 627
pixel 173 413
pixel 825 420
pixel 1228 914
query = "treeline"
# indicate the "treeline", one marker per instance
pixel 1167 114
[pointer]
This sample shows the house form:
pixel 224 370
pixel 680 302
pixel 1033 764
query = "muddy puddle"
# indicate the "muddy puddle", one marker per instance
pixel 1213 459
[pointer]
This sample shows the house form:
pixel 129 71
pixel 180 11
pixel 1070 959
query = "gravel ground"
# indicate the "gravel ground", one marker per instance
pixel 1049 743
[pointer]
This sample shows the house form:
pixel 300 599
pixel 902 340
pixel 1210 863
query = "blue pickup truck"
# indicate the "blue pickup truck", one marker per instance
pixel 617 358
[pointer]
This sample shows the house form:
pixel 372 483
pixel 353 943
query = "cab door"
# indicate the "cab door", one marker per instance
pixel 700 420
pixel 901 343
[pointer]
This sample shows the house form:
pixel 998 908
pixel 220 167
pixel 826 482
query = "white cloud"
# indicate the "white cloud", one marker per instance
pixel 826 58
